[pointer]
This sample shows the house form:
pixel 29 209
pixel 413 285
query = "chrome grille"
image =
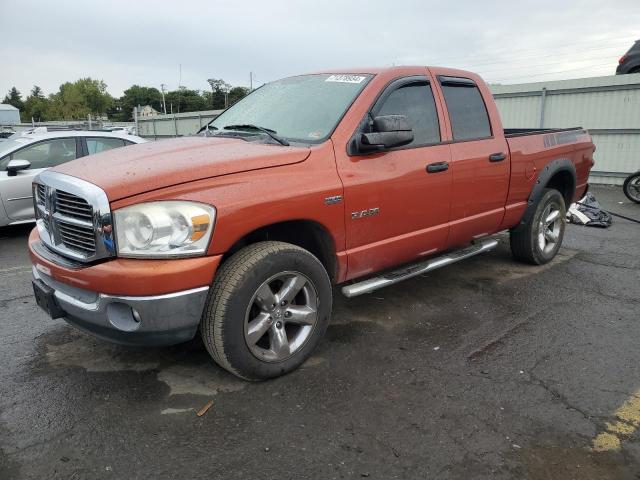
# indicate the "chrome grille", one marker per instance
pixel 41 194
pixel 73 217
pixel 77 237
pixel 73 206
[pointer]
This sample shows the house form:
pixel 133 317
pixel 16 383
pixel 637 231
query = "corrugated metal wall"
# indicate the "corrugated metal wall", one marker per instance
pixel 608 106
pixel 174 125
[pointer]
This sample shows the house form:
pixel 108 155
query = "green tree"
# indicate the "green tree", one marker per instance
pixel 36 106
pixel 185 100
pixel 215 99
pixel 36 92
pixel 95 95
pixel 237 93
pixel 76 100
pixel 14 98
pixel 137 95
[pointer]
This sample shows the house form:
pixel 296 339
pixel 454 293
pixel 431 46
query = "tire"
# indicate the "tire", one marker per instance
pixel 631 187
pixel 537 242
pixel 246 328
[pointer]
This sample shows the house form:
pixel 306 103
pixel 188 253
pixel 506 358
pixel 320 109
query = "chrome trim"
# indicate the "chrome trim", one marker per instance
pixel 368 286
pixel 48 218
pixel 19 198
pixel 154 315
pixel 50 255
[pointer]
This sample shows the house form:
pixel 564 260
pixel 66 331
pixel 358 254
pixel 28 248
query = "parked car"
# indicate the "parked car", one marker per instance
pixel 308 181
pixel 630 61
pixel 23 156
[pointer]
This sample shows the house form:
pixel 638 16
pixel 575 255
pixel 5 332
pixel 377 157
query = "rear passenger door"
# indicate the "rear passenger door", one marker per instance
pixel 479 162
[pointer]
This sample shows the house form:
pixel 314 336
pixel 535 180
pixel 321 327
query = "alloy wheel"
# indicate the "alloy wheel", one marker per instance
pixel 281 316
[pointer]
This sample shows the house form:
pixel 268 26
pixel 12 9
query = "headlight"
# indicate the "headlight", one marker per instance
pixel 164 229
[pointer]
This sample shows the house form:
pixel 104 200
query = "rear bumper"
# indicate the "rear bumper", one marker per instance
pixel 130 320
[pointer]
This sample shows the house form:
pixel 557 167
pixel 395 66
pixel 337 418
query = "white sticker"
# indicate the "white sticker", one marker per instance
pixel 342 78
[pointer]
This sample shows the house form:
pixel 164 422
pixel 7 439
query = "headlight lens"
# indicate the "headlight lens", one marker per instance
pixel 164 229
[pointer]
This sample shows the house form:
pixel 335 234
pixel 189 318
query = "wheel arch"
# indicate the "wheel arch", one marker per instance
pixel 308 234
pixel 559 174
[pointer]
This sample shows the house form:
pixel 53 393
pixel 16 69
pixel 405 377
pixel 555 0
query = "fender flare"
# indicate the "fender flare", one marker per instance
pixel 553 167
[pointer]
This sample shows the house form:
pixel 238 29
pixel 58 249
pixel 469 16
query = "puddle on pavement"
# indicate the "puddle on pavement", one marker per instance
pixel 504 269
pixel 186 369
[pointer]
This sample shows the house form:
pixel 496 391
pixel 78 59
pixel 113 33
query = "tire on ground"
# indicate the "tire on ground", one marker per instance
pixel 524 239
pixel 222 326
pixel 626 187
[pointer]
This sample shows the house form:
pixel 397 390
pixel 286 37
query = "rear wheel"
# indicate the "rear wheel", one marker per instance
pixel 538 241
pixel 268 309
pixel 631 187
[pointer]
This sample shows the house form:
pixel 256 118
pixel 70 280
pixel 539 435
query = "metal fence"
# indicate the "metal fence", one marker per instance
pixel 609 107
pixel 173 125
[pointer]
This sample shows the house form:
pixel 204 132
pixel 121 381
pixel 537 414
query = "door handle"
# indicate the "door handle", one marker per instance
pixel 437 167
pixel 497 157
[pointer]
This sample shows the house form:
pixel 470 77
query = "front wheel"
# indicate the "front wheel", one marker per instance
pixel 631 187
pixel 538 241
pixel 268 309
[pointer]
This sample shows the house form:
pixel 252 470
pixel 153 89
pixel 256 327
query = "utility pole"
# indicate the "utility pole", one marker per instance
pixel 251 81
pixel 179 88
pixel 164 104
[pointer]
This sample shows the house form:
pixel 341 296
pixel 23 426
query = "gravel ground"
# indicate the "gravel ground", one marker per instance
pixel 486 369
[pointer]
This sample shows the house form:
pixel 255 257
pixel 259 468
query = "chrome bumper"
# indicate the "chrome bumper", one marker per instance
pixel 142 321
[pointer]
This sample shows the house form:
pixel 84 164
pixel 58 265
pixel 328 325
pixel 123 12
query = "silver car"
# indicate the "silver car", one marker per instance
pixel 24 155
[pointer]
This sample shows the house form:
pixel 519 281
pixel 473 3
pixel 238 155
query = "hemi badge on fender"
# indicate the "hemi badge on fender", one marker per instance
pixel 43 269
pixel 332 200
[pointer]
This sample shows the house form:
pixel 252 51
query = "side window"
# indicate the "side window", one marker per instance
pixel 415 101
pixel 102 144
pixel 48 154
pixel 467 111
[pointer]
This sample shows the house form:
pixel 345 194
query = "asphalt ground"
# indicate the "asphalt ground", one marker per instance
pixel 485 369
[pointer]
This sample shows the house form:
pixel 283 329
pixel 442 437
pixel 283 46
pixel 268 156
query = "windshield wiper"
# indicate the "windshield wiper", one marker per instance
pixel 266 131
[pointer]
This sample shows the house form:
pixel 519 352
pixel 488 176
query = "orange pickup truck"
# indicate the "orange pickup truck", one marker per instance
pixel 362 178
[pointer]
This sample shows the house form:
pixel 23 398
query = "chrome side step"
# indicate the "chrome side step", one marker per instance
pixel 371 284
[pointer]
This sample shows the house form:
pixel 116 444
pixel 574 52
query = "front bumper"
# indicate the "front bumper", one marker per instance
pixel 130 320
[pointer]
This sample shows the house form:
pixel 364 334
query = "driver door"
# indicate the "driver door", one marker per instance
pixel 15 191
pixel 397 203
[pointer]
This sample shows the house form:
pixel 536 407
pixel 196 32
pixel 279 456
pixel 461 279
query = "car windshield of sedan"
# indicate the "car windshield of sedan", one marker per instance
pixel 305 108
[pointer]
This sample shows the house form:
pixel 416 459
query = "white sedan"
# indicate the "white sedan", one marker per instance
pixel 23 156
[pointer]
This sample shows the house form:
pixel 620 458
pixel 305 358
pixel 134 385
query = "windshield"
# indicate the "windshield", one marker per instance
pixel 305 108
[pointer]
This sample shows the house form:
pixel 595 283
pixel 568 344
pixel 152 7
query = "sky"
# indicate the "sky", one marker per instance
pixel 185 42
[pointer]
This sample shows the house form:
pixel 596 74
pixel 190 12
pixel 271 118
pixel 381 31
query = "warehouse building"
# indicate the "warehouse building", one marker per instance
pixel 9 115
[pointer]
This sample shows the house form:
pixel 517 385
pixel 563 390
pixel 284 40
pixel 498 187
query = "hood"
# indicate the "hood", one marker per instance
pixel 122 172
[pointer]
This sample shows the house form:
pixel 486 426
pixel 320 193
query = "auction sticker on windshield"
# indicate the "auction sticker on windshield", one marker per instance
pixel 345 78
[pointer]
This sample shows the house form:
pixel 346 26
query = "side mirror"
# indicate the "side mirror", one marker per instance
pixel 388 131
pixel 14 166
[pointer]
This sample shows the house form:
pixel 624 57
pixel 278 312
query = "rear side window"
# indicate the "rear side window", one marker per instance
pixel 467 111
pixel 416 102
pixel 97 144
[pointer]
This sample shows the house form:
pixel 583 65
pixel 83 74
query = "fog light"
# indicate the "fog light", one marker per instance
pixel 123 317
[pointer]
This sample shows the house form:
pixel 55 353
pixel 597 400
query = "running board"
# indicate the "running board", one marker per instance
pixel 368 286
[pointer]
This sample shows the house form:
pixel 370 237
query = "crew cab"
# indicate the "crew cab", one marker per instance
pixel 361 178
